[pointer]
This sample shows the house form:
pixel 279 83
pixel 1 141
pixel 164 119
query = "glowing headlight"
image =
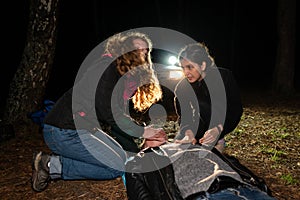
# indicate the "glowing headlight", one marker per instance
pixel 172 60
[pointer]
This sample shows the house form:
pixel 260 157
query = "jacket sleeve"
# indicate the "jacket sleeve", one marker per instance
pixel 110 106
pixel 136 187
pixel 186 107
pixel 150 175
pixel 234 104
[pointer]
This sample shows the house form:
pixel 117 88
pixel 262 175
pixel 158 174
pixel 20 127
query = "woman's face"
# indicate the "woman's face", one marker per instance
pixel 192 71
pixel 141 46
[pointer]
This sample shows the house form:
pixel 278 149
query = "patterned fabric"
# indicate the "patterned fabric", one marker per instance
pixel 196 168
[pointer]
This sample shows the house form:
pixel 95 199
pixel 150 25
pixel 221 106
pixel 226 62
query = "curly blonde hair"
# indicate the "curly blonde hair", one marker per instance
pixel 128 59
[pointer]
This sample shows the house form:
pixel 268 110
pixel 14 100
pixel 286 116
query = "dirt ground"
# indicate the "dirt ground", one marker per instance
pixel 267 140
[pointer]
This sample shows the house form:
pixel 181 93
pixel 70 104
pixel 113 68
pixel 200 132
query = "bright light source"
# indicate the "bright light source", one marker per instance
pixel 172 60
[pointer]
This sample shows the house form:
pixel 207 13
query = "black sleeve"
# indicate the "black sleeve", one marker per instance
pixel 234 104
pixel 136 187
pixel 186 108
pixel 110 106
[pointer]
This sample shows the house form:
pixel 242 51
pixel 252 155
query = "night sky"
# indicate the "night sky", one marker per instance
pixel 241 35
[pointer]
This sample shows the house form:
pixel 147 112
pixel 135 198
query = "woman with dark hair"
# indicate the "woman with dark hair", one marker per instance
pixel 209 106
pixel 72 129
pixel 207 100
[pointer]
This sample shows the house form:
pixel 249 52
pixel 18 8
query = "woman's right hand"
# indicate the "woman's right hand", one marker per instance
pixel 188 138
pixel 154 137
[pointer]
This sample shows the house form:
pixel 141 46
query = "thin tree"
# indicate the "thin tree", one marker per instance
pixel 28 86
pixel 283 80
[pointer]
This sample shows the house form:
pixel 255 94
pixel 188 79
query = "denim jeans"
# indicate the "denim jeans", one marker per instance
pixel 242 192
pixel 85 155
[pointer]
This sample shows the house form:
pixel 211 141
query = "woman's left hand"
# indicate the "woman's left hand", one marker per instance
pixel 210 136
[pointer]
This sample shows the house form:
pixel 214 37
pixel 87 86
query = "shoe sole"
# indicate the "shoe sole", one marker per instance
pixel 35 165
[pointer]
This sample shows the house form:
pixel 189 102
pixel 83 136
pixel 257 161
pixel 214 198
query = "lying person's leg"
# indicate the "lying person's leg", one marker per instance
pixel 239 193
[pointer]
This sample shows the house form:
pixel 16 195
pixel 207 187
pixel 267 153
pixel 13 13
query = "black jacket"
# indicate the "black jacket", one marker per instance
pixel 94 100
pixel 205 104
pixel 150 176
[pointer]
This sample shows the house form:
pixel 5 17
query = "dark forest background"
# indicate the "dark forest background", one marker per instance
pixel 44 42
pixel 241 35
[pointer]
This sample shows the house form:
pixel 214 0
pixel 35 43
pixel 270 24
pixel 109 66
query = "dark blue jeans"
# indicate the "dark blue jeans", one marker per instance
pixel 242 192
pixel 85 155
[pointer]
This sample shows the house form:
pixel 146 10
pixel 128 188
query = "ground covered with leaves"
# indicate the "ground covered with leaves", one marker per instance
pixel 267 141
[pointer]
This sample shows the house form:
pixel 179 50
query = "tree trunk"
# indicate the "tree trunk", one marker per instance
pixel 27 88
pixel 283 79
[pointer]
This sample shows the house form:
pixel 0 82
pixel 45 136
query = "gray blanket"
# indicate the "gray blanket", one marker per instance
pixel 195 167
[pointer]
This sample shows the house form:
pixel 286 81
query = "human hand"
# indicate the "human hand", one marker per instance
pixel 154 137
pixel 188 138
pixel 210 136
pixel 151 133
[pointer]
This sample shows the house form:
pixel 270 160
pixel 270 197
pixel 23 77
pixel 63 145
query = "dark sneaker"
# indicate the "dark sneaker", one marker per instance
pixel 40 171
